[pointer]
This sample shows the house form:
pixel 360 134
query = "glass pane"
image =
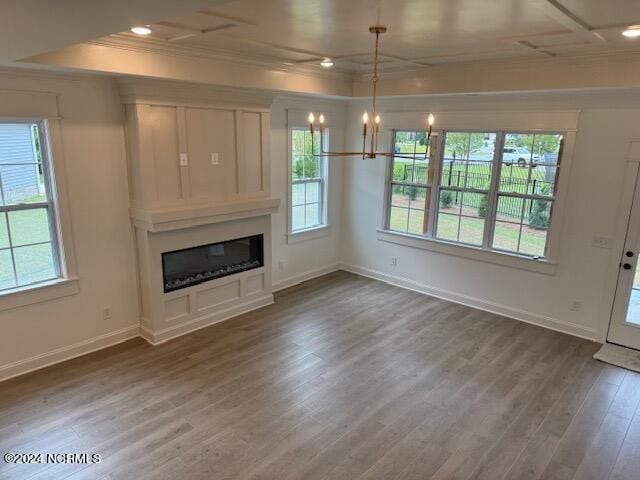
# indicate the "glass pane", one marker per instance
pixel 297 169
pixel 297 194
pixel 533 238
pixel 7 279
pixel 398 197
pixel 29 226
pixel 505 236
pixel 537 213
pixel 34 263
pixel 468 160
pixel 473 210
pixel 530 163
pixel 313 193
pixel 448 226
pixel 398 219
pixel 297 218
pixel 533 241
pixel 22 184
pixel 312 215
pixel 4 234
pixel 304 164
pixel 21 164
pixel 509 209
pixel 417 222
pixel 402 170
pixel 405 142
pixel 633 311
pixel 471 230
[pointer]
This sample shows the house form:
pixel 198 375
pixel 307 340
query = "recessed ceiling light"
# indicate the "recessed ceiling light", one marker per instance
pixel 141 30
pixel 632 32
pixel 326 63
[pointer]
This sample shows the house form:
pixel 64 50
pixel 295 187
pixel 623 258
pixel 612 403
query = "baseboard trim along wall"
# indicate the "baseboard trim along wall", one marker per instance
pixel 90 345
pixel 516 314
pixel 304 276
pixel 63 354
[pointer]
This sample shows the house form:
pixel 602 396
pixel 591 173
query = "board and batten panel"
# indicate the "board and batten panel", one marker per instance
pixel 211 131
pixel 251 158
pixel 164 129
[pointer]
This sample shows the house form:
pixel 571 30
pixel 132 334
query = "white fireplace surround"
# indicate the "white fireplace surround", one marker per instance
pixel 200 174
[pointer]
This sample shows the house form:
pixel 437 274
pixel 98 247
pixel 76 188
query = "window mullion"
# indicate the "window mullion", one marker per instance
pixel 492 194
pixel 13 258
pixel 435 186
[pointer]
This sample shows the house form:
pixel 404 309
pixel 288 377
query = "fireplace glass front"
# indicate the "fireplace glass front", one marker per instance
pixel 191 266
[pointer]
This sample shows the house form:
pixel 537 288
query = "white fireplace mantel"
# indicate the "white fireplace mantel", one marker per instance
pixel 191 214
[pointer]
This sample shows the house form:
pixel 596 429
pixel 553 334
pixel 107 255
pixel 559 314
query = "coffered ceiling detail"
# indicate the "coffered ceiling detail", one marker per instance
pixel 421 32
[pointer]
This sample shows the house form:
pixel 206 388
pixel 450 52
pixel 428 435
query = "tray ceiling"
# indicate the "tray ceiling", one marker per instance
pixel 421 32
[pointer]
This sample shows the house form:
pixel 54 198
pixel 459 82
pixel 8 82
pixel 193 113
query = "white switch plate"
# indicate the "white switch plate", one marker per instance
pixel 601 242
pixel 215 159
pixel 183 160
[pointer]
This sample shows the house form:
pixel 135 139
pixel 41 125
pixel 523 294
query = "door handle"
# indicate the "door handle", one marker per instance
pixel 626 266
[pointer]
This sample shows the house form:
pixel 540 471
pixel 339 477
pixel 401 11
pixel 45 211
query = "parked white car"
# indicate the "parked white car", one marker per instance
pixel 521 155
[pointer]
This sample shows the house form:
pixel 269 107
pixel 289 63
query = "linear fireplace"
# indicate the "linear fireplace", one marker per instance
pixel 191 266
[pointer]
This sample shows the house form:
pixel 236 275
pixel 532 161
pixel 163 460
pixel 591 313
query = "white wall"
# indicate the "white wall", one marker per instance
pixel 607 122
pixel 294 262
pixel 93 142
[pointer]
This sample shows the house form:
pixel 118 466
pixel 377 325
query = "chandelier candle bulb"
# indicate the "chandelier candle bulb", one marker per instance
pixel 311 120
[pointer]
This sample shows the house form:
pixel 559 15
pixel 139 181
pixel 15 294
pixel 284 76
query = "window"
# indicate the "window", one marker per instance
pixel 28 238
pixel 308 181
pixel 493 190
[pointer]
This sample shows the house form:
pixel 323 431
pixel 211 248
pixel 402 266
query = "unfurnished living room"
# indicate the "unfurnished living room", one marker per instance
pixel 319 239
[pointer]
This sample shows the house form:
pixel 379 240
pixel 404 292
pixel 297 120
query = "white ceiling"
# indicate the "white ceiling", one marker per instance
pixel 421 32
pixel 30 27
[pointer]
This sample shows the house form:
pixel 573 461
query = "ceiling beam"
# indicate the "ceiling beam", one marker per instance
pixel 565 17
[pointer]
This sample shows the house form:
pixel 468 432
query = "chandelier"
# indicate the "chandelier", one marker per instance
pixel 371 124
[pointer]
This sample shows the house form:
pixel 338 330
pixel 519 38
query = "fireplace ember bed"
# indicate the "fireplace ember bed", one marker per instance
pixel 192 266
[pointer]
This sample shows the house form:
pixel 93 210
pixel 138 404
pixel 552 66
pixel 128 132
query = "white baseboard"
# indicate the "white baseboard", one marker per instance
pixel 303 277
pixel 67 353
pixel 504 310
pixel 160 336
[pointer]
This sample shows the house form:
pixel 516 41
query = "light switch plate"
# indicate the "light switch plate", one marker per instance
pixel 183 160
pixel 215 159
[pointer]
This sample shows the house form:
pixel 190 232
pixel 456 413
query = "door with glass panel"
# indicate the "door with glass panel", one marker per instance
pixel 625 318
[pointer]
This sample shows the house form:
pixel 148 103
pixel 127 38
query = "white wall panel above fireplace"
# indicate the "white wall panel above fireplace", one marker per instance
pixel 185 150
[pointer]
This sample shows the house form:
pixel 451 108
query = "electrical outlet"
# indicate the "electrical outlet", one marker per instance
pixel 601 242
pixel 184 161
pixel 394 261
pixel 281 265
pixel 106 313
pixel 576 305
pixel 215 159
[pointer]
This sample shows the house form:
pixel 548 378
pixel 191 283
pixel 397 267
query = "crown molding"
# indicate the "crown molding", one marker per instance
pixel 585 59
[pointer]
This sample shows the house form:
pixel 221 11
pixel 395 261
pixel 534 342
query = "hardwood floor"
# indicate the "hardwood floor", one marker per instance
pixel 343 378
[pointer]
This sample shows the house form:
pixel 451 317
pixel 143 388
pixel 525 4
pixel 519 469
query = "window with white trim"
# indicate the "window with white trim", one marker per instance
pixel 308 200
pixel 493 190
pixel 28 232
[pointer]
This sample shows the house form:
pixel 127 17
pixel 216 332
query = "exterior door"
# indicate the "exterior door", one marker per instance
pixel 625 318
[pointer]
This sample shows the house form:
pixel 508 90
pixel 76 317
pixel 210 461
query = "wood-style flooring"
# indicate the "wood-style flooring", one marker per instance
pixel 342 378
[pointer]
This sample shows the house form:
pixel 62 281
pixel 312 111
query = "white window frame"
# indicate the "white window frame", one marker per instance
pixel 316 231
pixel 428 241
pixel 45 108
pixel 48 205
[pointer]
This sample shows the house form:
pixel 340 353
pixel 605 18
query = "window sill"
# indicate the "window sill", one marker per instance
pixel 308 234
pixel 508 260
pixel 42 292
